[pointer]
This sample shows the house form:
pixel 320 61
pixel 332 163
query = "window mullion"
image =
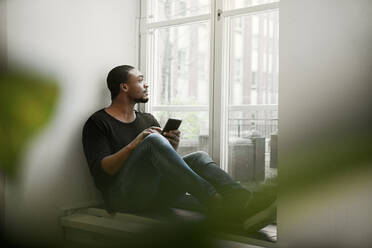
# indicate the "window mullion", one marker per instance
pixel 216 124
pixel 143 57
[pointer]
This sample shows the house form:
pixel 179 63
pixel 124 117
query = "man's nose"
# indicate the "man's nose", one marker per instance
pixel 146 85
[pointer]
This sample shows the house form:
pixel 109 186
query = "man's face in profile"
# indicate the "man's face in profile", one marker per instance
pixel 137 87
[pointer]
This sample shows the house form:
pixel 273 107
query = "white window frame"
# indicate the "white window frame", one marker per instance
pixel 218 106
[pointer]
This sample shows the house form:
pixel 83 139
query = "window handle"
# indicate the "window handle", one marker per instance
pixel 219 14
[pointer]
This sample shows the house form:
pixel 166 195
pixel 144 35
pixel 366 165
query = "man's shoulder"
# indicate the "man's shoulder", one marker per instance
pixel 97 117
pixel 145 115
pixel 99 114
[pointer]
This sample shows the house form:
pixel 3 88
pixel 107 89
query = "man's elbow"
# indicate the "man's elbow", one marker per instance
pixel 109 172
pixel 107 168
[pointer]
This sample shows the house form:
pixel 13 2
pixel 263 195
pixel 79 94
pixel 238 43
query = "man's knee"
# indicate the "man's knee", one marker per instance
pixel 200 157
pixel 154 138
pixel 201 154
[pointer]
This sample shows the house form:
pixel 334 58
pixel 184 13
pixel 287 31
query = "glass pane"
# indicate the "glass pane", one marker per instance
pixel 253 88
pixel 254 59
pixel 181 64
pixel 163 10
pixel 249 144
pixel 247 123
pixel 194 129
pixel 236 4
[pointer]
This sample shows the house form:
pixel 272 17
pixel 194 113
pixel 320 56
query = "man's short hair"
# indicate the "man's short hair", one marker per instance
pixel 116 76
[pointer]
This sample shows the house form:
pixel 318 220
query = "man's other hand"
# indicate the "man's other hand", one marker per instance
pixel 144 134
pixel 152 129
pixel 173 137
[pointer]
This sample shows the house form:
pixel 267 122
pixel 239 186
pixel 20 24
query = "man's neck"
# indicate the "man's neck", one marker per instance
pixel 121 111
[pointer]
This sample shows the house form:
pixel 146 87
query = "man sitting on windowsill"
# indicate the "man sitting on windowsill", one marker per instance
pixel 137 168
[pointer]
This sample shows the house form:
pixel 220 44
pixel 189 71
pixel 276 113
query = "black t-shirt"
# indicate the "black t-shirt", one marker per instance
pixel 104 135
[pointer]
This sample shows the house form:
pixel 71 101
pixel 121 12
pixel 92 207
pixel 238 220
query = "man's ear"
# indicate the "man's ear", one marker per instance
pixel 124 87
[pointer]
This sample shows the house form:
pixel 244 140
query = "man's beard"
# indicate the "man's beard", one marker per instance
pixel 141 100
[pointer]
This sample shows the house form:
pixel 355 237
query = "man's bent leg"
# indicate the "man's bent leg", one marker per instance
pixel 169 193
pixel 173 168
pixel 138 181
pixel 136 184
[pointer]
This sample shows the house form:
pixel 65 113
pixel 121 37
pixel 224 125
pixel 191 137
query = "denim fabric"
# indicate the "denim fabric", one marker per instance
pixel 155 176
pixel 204 166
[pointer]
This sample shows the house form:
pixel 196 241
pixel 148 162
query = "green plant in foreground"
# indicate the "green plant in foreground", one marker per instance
pixel 27 102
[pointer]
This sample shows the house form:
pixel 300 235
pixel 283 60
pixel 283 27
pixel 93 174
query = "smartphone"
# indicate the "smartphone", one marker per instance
pixel 172 124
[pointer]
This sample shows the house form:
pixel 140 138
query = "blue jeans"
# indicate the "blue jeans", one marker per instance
pixel 155 175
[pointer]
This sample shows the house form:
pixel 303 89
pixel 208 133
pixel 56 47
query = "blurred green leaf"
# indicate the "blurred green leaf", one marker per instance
pixel 27 102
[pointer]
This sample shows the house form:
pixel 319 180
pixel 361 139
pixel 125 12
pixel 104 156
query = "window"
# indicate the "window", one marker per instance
pixel 218 73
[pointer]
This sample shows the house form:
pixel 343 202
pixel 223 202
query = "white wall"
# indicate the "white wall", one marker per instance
pixel 76 42
pixel 324 123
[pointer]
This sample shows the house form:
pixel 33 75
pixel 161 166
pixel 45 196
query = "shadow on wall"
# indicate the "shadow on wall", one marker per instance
pixel 75 172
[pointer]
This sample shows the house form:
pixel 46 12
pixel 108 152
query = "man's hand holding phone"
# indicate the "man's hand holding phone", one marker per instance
pixel 173 137
pixel 171 132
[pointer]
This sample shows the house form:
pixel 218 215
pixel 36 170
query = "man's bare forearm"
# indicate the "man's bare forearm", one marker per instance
pixel 113 163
